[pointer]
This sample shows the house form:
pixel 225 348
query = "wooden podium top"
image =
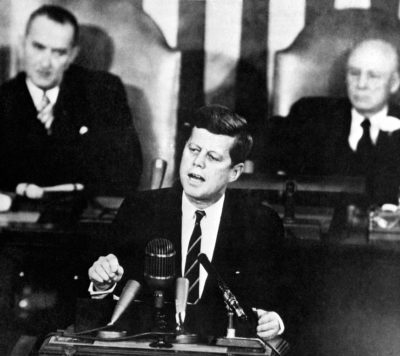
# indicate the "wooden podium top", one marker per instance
pixel 61 345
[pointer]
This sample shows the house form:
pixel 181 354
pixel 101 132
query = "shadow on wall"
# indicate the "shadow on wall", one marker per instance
pixel 96 48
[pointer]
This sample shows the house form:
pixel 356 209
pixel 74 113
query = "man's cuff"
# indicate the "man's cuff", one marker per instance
pixel 281 325
pixel 100 294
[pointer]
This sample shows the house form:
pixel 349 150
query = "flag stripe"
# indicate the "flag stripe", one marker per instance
pixel 191 35
pixel 222 50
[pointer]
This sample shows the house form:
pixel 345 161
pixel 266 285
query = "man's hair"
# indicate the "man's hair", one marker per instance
pixel 56 14
pixel 386 41
pixel 220 120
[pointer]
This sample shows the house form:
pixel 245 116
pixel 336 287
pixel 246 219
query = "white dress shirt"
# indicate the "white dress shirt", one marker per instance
pixel 37 94
pixel 209 230
pixel 379 122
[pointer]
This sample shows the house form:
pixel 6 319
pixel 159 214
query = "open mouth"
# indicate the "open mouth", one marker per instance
pixel 196 177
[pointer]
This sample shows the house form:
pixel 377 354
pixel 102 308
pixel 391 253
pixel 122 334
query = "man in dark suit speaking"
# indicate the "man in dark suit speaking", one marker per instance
pixel 358 135
pixel 60 123
pixel 238 234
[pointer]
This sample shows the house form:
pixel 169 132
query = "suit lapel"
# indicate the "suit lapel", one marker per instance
pixel 227 252
pixel 338 153
pixel 70 110
pixel 27 112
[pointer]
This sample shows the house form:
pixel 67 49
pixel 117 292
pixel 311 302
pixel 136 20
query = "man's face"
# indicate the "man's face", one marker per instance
pixel 206 167
pixel 48 51
pixel 372 76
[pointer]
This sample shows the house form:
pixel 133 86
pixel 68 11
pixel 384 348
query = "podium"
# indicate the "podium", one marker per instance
pixel 136 324
pixel 62 345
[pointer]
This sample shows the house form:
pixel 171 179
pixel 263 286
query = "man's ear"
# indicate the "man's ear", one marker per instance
pixel 74 54
pixel 395 82
pixel 236 172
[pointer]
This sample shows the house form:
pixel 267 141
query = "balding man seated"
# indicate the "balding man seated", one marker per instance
pixel 354 136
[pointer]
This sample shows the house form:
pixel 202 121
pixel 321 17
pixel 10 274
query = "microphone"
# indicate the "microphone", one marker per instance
pixel 129 293
pixel 229 298
pixel 181 297
pixel 159 268
pixel 159 273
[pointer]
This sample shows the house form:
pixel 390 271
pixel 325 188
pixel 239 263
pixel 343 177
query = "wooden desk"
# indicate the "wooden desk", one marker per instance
pixel 323 184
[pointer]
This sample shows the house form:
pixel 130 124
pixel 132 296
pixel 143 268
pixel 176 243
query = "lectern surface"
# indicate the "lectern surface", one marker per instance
pixel 60 345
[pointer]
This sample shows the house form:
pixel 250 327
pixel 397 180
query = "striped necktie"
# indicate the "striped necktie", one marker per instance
pixel 192 267
pixel 45 113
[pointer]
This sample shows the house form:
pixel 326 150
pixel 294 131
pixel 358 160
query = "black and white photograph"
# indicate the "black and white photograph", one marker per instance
pixel 200 177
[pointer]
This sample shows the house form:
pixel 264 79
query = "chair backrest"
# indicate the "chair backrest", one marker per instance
pixel 314 64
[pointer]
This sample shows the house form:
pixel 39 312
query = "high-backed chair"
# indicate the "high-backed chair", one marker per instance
pixel 314 64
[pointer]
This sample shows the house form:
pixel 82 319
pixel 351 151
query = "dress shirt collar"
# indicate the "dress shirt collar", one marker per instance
pixel 37 93
pixel 378 121
pixel 213 211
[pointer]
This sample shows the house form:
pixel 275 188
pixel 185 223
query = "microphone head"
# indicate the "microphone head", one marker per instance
pixel 159 269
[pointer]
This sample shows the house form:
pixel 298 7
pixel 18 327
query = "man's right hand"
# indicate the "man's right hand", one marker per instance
pixel 105 272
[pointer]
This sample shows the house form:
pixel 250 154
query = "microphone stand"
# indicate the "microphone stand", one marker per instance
pixel 182 335
pixel 160 323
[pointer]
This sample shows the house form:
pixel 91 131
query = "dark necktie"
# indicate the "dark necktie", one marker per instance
pixel 365 151
pixel 192 267
pixel 365 143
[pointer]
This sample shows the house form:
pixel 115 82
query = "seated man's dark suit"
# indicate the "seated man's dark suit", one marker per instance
pixel 92 138
pixel 246 254
pixel 317 144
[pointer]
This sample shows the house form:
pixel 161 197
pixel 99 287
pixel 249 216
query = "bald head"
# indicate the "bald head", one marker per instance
pixel 372 75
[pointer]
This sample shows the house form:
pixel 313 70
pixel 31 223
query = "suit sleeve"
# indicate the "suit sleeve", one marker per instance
pixel 9 158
